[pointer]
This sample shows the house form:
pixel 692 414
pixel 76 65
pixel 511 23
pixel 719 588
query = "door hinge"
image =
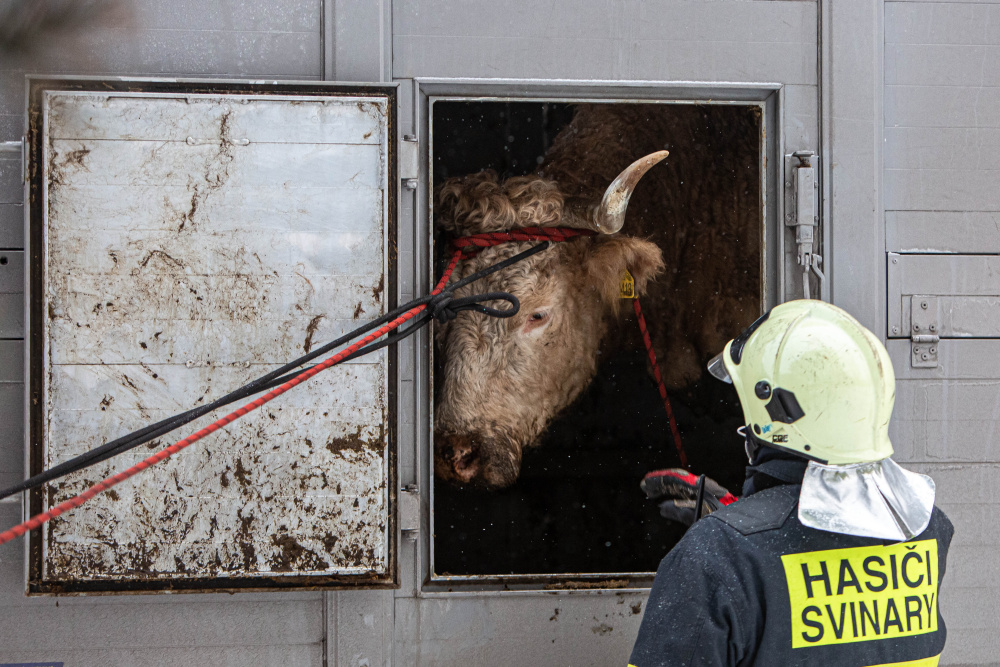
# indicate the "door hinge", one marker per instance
pixel 409 161
pixel 925 332
pixel 409 512
pixel 805 219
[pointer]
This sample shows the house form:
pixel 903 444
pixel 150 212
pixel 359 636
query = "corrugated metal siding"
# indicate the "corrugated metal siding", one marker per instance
pixel 220 39
pixel 942 132
pixel 658 41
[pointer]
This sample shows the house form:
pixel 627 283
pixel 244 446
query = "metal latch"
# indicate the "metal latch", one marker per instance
pixel 924 332
pixel 409 512
pixel 409 161
pixel 805 220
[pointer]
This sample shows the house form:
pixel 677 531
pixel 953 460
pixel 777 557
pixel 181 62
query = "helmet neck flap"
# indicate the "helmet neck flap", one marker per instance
pixel 815 383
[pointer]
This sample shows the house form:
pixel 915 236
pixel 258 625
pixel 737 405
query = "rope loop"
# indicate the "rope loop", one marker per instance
pixel 445 307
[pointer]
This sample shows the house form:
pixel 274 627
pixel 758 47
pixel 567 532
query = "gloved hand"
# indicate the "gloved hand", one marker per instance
pixel 677 490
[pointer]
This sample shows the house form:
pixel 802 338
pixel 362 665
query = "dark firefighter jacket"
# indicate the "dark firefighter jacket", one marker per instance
pixel 750 585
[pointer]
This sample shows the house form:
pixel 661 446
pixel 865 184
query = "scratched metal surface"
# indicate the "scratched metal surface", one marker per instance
pixel 193 243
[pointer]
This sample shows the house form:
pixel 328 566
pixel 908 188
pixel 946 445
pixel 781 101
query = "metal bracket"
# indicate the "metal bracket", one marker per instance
pixel 409 512
pixel 409 161
pixel 805 219
pixel 21 148
pixel 924 332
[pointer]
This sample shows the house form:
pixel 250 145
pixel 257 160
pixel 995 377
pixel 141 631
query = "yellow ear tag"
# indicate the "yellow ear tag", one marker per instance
pixel 627 286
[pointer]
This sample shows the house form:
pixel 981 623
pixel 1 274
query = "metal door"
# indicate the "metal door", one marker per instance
pixel 185 238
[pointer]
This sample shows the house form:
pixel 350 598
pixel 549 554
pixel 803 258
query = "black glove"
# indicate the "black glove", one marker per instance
pixel 677 490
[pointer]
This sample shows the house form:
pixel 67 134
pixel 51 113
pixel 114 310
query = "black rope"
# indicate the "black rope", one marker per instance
pixel 443 307
pixel 700 499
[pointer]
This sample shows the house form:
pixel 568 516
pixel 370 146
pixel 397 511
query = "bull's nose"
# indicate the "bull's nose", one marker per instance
pixel 457 458
pixel 465 462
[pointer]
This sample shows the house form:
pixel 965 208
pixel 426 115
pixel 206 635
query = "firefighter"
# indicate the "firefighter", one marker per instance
pixel 834 555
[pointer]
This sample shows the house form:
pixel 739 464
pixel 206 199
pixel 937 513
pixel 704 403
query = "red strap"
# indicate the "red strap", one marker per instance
pixel 659 382
pixel 476 242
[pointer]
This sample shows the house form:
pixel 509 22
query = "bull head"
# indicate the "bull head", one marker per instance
pixel 503 381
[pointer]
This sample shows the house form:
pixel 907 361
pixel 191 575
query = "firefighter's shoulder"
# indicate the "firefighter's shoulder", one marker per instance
pixel 764 510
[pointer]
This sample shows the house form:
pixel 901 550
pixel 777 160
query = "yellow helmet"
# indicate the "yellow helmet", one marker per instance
pixel 812 380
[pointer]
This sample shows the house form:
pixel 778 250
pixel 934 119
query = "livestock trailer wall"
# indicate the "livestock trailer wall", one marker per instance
pixel 897 99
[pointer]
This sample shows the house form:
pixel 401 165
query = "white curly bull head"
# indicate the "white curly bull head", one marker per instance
pixel 504 380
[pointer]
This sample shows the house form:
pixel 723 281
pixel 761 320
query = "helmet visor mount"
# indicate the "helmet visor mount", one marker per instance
pixel 717 367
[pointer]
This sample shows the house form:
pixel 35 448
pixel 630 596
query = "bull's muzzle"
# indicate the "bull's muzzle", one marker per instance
pixel 609 217
pixel 457 458
pixel 475 459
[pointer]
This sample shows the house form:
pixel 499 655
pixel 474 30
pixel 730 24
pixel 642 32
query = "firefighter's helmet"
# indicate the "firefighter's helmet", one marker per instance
pixel 812 380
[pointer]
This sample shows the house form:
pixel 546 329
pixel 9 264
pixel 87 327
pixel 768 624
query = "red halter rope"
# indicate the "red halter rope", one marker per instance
pixel 477 242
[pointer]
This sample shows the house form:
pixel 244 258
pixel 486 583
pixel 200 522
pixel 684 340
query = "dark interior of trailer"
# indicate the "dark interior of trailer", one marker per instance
pixel 577 507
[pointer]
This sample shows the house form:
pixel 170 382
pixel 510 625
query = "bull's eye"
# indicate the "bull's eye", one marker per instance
pixel 537 319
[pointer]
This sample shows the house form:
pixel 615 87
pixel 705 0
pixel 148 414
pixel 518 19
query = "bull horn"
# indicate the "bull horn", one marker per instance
pixel 610 215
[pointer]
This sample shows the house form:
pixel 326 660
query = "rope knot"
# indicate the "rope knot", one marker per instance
pixel 439 307
pixel 444 307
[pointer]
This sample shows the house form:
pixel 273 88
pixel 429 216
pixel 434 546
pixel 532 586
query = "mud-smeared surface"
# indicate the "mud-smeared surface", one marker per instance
pixel 195 244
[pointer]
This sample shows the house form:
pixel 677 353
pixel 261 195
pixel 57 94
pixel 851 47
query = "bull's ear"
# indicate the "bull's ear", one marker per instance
pixel 610 257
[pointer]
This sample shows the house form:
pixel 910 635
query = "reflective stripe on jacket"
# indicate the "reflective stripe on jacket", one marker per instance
pixel 750 585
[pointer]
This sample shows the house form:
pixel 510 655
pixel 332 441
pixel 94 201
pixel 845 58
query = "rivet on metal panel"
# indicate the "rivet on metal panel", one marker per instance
pixel 923 304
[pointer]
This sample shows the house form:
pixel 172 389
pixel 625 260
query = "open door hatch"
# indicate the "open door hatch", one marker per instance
pixel 185 237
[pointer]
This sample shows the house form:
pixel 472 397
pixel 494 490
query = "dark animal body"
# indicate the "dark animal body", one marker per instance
pixel 692 241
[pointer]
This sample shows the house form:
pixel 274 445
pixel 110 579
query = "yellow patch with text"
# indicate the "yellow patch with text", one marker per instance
pixel 861 594
pixel 627 286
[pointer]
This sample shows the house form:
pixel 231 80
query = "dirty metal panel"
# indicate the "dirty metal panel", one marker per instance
pixel 966 287
pixel 11 294
pixel 191 242
pixel 943 232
